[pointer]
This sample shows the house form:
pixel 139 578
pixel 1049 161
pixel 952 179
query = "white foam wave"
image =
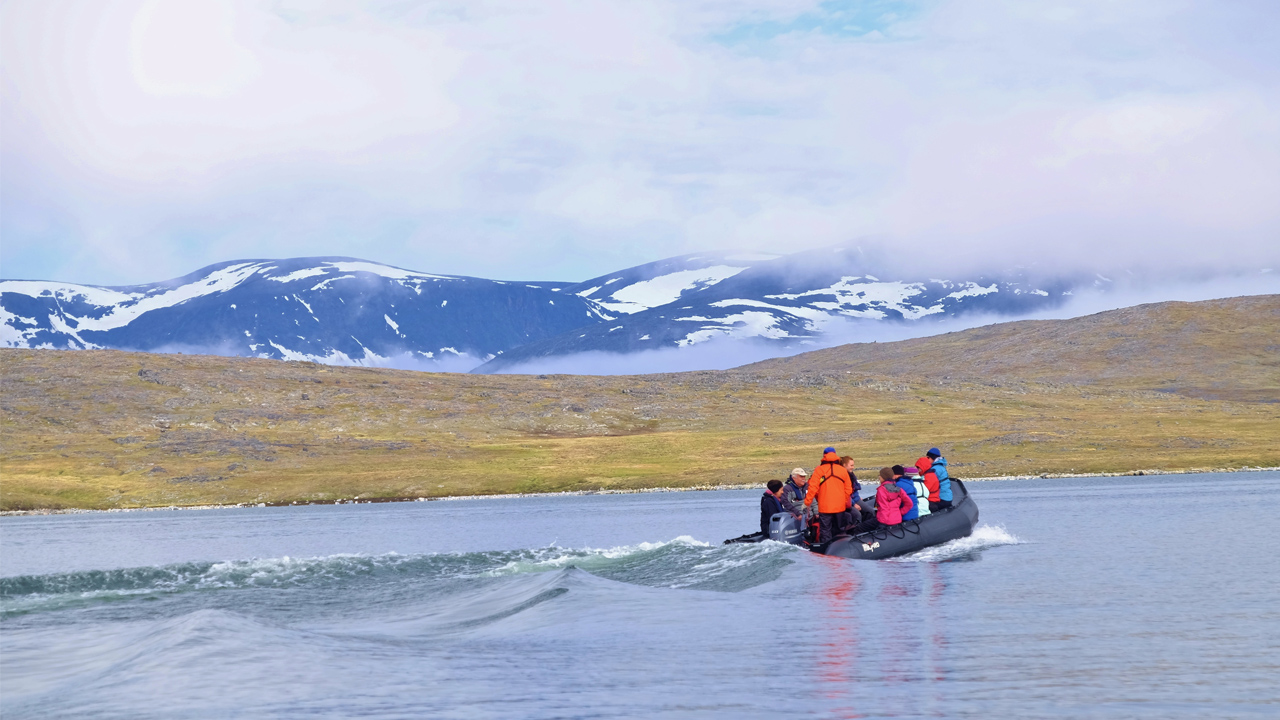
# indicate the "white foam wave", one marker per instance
pixel 287 570
pixel 48 592
pixel 556 558
pixel 983 538
pixel 680 562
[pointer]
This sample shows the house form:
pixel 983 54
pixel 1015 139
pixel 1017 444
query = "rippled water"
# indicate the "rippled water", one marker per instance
pixel 628 606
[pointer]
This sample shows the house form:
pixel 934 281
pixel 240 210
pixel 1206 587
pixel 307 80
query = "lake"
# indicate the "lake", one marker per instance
pixel 1151 596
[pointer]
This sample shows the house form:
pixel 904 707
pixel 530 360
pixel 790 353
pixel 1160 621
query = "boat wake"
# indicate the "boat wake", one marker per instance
pixel 984 537
pixel 679 563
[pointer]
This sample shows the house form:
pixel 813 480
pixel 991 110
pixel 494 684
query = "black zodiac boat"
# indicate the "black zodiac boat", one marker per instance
pixel 933 529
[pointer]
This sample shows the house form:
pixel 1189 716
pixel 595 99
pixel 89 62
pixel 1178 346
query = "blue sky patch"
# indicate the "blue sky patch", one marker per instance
pixel 850 19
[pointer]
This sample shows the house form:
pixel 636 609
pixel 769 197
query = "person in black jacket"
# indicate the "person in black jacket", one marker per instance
pixel 771 504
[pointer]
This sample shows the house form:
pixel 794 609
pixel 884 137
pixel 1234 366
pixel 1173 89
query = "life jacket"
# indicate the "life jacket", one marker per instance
pixel 831 485
pixel 922 491
pixel 790 488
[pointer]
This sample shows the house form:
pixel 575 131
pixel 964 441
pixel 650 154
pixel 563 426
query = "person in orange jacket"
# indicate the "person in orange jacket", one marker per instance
pixel 831 485
pixel 930 478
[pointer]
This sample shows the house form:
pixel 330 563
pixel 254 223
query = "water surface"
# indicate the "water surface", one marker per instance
pixel 1086 597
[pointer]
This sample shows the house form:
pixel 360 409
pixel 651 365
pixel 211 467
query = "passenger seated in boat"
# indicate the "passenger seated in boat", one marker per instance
pixel 771 504
pixel 795 489
pixel 939 467
pixel 891 500
pixel 922 490
pixel 855 500
pixel 929 479
pixel 899 477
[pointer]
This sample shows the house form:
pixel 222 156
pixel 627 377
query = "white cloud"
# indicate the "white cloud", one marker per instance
pixel 567 139
pixel 188 48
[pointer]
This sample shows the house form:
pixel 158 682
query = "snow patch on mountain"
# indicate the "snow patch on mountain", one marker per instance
pixel 973 289
pixel 302 274
pixel 748 324
pixel 646 294
pixel 814 316
pixel 867 299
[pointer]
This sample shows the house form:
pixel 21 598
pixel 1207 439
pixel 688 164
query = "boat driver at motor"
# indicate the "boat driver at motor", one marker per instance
pixel 831 486
pixel 796 489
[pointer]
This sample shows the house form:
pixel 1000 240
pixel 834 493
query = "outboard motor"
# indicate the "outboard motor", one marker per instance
pixel 786 528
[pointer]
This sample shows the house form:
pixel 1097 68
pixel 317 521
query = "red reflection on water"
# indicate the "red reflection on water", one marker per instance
pixel 912 657
pixel 837 652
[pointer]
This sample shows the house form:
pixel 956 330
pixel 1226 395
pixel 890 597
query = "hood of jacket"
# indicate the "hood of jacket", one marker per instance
pixel 923 465
pixel 830 457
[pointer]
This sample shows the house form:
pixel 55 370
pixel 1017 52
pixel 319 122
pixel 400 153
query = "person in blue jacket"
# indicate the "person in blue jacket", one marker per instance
pixel 944 480
pixel 909 487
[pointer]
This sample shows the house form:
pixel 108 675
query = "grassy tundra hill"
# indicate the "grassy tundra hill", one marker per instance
pixel 1166 386
pixel 1217 349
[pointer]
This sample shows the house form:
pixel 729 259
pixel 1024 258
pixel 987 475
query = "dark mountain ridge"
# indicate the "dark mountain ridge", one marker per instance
pixel 339 310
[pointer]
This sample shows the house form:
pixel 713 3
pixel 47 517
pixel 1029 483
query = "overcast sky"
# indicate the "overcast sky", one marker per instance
pixel 562 140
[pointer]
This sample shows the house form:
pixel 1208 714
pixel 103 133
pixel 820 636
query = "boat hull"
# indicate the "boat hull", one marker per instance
pixel 912 535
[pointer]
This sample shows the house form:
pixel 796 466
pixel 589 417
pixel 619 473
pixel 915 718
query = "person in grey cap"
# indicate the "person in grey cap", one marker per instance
pixel 795 489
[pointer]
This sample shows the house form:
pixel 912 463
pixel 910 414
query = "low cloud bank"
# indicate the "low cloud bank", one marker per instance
pixel 404 360
pixel 729 353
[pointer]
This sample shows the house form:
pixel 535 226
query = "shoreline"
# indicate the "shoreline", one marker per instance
pixel 564 493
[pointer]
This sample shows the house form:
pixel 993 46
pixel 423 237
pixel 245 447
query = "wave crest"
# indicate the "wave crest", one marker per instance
pixel 983 537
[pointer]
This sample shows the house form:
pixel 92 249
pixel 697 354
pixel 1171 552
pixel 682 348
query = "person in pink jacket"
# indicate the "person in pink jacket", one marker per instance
pixel 891 502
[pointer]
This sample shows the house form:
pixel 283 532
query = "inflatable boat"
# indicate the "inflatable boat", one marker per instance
pixel 933 529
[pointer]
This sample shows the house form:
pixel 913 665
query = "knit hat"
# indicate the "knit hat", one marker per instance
pixel 828 450
pixel 933 452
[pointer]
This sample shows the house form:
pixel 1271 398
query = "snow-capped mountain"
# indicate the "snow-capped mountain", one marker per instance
pixel 332 310
pixel 343 310
pixel 680 302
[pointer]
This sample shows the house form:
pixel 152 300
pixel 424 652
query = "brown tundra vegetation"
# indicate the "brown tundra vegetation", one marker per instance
pixel 1168 386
